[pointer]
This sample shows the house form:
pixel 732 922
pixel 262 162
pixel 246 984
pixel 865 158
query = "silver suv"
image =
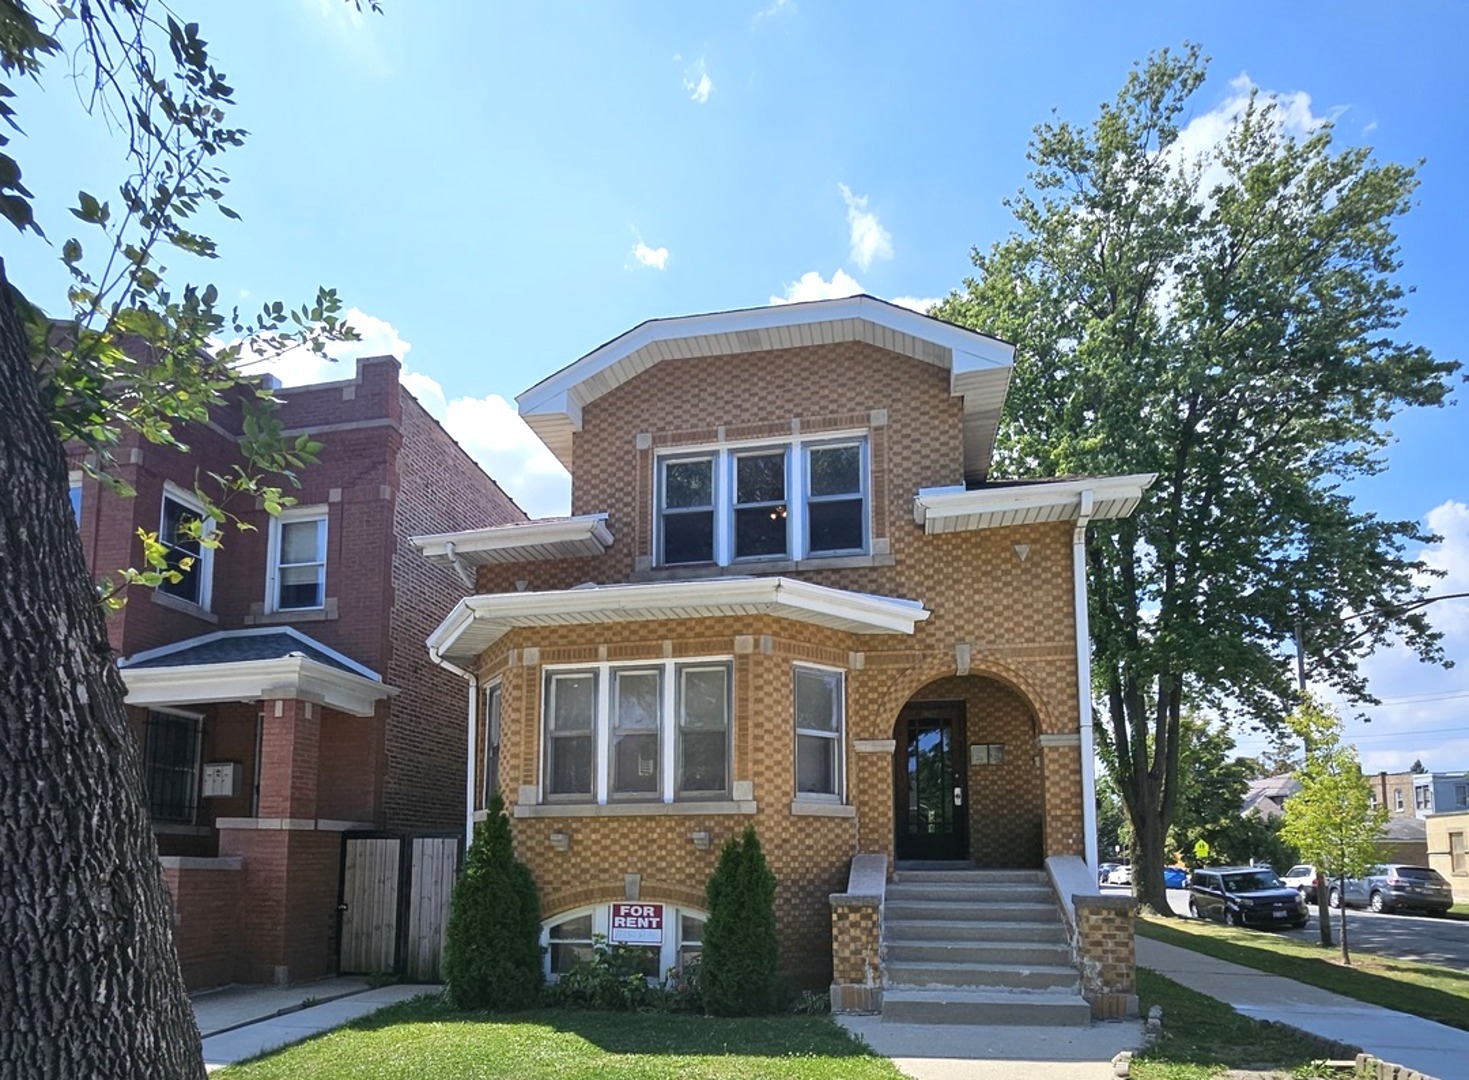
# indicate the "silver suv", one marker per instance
pixel 1396 886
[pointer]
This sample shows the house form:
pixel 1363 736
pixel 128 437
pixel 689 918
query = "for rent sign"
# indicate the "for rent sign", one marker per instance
pixel 637 924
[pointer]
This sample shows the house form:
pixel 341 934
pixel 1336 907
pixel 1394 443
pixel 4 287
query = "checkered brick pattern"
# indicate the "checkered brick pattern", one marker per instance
pixel 856 943
pixel 1013 617
pixel 1105 951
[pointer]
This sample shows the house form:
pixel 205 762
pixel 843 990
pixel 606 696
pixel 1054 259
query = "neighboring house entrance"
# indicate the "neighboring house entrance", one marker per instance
pixel 931 786
pixel 394 903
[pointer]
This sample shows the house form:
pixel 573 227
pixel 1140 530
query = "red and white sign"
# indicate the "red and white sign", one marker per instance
pixel 637 924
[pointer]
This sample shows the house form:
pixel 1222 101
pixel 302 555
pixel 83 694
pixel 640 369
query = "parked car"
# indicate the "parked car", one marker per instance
pixel 1175 877
pixel 1121 875
pixel 1104 870
pixel 1394 887
pixel 1302 877
pixel 1246 896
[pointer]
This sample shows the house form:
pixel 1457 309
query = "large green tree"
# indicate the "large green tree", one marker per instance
pixel 1228 322
pixel 89 982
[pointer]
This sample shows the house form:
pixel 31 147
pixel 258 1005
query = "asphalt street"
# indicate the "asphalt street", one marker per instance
pixel 1407 937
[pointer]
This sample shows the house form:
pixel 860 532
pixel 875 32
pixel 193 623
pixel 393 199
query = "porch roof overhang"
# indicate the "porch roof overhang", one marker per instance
pixel 992 506
pixel 979 366
pixel 477 622
pixel 254 680
pixel 520 541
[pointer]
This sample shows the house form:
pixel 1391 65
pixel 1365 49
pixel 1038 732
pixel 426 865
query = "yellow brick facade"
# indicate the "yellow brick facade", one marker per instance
pixel 1001 639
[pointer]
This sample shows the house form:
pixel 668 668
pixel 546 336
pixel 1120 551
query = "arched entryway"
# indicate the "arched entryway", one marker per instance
pixel 967 782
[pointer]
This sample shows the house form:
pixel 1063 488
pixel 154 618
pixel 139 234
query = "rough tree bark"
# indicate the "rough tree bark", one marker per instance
pixel 89 980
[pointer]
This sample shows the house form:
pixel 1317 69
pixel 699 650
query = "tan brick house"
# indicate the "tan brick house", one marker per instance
pixel 279 692
pixel 787 596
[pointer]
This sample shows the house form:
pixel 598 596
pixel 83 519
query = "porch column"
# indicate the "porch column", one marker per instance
pixel 290 747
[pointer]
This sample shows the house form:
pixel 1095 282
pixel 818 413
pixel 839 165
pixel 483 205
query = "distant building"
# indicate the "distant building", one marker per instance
pixel 1267 795
pixel 1408 794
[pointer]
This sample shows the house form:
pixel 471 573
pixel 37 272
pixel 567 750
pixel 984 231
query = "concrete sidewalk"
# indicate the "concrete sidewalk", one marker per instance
pixel 966 1052
pixel 1435 1049
pixel 273 1030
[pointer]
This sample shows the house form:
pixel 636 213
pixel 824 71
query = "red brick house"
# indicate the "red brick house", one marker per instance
pixel 788 595
pixel 279 691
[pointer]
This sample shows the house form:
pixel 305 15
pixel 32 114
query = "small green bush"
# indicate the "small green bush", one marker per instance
pixel 740 966
pixel 492 952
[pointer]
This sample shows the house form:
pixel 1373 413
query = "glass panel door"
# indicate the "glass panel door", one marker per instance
pixel 931 784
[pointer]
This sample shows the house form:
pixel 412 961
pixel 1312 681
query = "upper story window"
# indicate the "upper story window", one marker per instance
pixel 1397 798
pixel 819 707
pixel 640 731
pixel 182 530
pixel 1422 797
pixel 795 500
pixel 296 579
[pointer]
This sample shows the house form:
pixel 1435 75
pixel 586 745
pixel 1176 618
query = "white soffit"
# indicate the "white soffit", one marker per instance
pixel 479 621
pixel 979 365
pixel 253 680
pixel 521 541
pixel 945 510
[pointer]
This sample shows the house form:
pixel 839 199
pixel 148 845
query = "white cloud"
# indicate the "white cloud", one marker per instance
pixel 812 286
pixel 697 82
pixel 869 240
pixel 920 304
pixel 657 258
pixel 492 432
pixel 298 367
pixel 774 9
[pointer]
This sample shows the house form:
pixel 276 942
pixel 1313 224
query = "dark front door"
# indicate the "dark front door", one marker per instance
pixel 931 785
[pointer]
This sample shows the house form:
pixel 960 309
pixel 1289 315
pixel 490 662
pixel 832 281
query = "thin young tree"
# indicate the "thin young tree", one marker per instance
pixel 89 981
pixel 1229 322
pixel 1331 820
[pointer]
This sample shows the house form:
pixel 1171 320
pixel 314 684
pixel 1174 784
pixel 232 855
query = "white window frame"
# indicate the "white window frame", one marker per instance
pixel 273 566
pixel 669 951
pixel 204 562
pixel 669 731
pixel 797 450
pixel 839 737
pixel 494 707
pixel 1397 798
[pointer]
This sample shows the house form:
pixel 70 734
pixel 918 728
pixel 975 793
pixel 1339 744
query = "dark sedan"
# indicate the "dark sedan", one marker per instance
pixel 1246 896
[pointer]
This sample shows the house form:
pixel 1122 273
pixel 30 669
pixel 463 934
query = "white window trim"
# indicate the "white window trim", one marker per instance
pixel 494 714
pixel 668 733
pixel 673 916
pixel 797 449
pixel 204 565
pixel 272 563
pixel 840 798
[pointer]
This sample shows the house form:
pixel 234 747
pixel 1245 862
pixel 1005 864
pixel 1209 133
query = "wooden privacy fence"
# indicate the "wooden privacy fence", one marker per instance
pixel 393 904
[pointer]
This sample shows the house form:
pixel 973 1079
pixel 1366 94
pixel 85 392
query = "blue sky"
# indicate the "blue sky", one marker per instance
pixel 499 188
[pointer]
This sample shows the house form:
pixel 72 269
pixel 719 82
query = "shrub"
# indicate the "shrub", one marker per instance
pixel 740 966
pixel 492 955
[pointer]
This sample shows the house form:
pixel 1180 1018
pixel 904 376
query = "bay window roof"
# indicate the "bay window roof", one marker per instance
pixel 479 621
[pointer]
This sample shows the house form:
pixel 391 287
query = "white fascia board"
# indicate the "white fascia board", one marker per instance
pixel 257 631
pixel 514 535
pixel 776 595
pixel 957 502
pixel 250 680
pixel 555 393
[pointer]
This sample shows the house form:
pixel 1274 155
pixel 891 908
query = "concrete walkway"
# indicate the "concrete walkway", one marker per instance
pixel 966 1052
pixel 242 1022
pixel 1435 1049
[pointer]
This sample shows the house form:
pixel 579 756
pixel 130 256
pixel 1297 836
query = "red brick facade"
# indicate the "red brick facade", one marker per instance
pixel 387 470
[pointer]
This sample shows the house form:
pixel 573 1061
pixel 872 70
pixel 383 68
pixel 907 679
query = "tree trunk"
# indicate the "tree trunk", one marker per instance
pixel 89 981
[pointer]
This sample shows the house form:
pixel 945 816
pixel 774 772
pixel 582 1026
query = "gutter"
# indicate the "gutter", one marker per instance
pixel 473 687
pixel 1084 682
pixel 461 568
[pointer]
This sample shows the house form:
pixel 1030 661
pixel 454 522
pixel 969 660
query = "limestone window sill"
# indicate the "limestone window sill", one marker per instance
pixel 813 808
pixel 673 809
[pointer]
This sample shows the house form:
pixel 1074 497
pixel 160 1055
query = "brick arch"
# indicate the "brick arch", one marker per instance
pixel 610 891
pixel 908 682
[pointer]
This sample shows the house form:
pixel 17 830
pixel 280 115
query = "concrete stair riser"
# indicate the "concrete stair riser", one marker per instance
pixel 971 930
pixel 970 877
pixel 1017 953
pixel 975 1007
pixel 972 894
pixel 899 910
pixel 983 976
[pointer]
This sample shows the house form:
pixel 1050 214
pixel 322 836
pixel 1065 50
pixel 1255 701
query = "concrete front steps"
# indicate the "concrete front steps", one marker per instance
pixel 967 946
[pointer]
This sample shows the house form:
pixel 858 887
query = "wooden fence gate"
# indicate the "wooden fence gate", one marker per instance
pixel 393 904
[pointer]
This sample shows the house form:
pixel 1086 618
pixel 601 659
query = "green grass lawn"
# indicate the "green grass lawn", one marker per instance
pixel 1204 1038
pixel 1427 990
pixel 424 1038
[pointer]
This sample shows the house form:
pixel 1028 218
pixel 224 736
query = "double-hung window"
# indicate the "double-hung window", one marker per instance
pixel 651 732
pixel 183 530
pixel 818 707
pixel 297 574
pixel 806 498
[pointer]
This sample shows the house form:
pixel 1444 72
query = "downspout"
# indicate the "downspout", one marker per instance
pixel 1084 681
pixel 461 568
pixel 473 682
